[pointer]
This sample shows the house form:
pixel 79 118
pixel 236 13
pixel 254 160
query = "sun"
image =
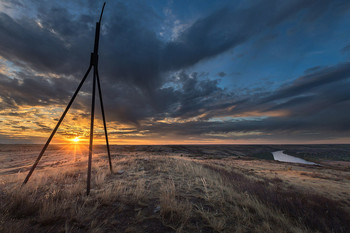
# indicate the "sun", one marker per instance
pixel 76 139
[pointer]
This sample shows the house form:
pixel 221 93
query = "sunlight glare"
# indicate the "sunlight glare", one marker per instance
pixel 76 139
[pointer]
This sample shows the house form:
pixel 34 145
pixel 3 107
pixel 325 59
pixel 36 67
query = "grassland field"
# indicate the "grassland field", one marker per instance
pixel 176 188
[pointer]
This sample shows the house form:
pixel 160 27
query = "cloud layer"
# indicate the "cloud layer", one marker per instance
pixel 147 81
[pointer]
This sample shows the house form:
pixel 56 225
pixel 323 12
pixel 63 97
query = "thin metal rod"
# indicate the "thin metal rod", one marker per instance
pixel 104 120
pixel 102 11
pixel 91 132
pixel 96 43
pixel 57 125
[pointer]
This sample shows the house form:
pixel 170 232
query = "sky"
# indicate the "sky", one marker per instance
pixel 178 72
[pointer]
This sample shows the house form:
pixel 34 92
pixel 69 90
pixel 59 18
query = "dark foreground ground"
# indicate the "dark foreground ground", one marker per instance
pixel 177 188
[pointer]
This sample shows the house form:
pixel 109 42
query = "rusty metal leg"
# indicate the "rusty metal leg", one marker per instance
pixel 57 125
pixel 91 133
pixel 104 120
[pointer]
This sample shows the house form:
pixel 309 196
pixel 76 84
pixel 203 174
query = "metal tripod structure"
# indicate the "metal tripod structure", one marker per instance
pixel 96 78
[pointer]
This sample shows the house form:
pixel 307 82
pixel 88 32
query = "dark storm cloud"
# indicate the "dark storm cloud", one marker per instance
pixel 135 64
pixel 321 103
pixel 132 53
pixel 310 95
pixel 311 81
pixel 227 28
pixel 196 97
pixel 25 44
pixel 34 90
pixel 222 74
pixel 62 47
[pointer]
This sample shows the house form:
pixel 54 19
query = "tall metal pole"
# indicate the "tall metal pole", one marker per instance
pixel 94 62
pixel 91 132
pixel 104 119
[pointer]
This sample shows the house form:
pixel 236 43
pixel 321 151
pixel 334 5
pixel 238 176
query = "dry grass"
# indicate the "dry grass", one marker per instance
pixel 162 194
pixel 312 210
